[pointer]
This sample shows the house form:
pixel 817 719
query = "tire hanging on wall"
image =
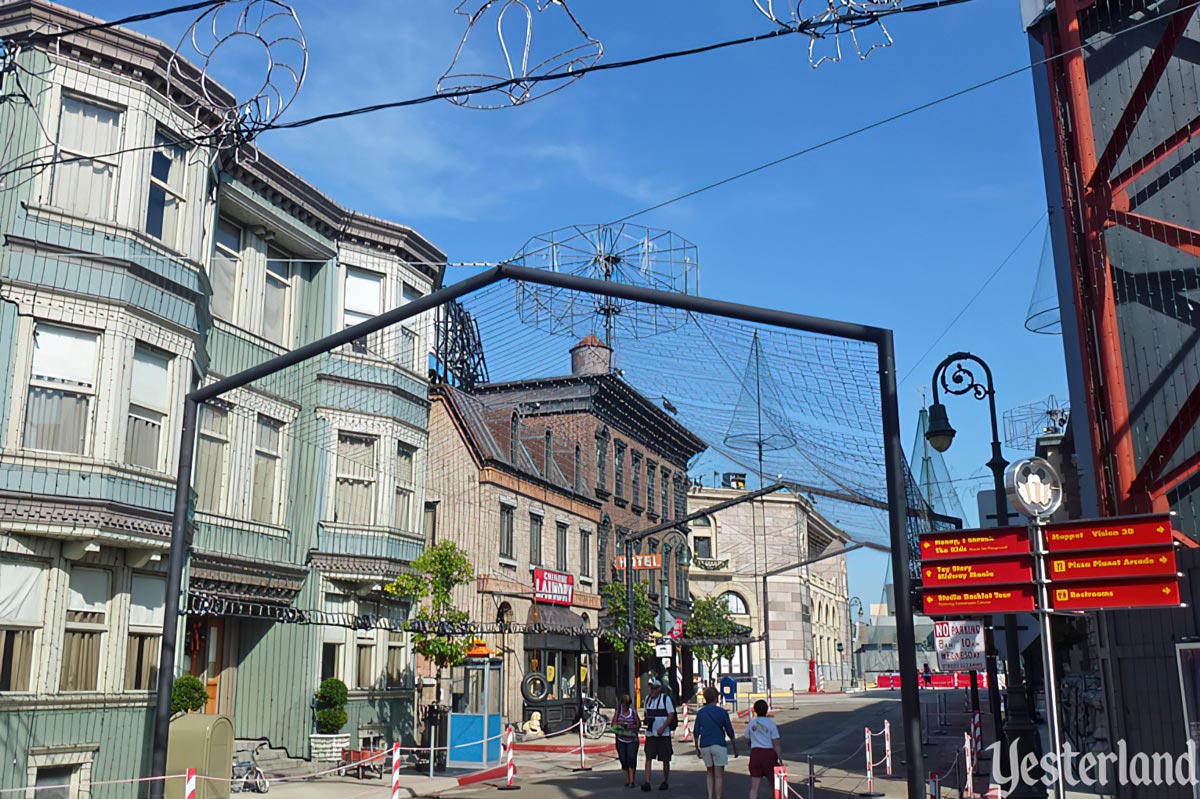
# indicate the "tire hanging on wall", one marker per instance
pixel 534 687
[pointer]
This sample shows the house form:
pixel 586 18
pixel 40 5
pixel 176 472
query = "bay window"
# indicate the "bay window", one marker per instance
pixel 149 400
pixel 85 177
pixel 22 594
pixel 62 387
pixel 277 309
pixel 264 500
pixel 146 600
pixel 168 161
pixel 226 263
pixel 87 622
pixel 363 300
pixel 212 443
pixel 354 502
pixel 402 512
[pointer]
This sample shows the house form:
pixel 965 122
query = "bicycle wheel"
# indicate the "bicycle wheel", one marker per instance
pixel 261 783
pixel 595 726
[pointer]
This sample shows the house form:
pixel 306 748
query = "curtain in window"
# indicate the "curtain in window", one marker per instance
pixel 366 657
pixel 210 457
pixel 141 662
pixel 355 500
pixel 56 420
pixel 394 672
pixel 81 661
pixel 404 464
pixel 275 308
pixel 82 184
pixel 22 592
pixel 16 659
pixel 262 501
pixel 141 441
pixel 403 510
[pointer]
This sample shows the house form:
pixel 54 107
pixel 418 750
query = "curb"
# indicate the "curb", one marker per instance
pixel 590 749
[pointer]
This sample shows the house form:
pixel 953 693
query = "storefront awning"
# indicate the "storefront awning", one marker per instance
pixel 556 616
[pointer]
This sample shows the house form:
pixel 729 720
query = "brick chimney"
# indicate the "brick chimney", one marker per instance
pixel 591 356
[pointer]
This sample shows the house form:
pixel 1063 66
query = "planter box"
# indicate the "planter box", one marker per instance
pixel 328 748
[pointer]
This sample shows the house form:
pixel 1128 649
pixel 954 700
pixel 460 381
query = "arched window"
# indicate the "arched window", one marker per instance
pixel 514 437
pixel 735 603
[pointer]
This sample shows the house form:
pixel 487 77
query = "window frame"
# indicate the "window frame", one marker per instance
pixel 406 488
pixel 221 440
pixel 233 257
pixel 77 627
pixel 508 524
pixel 277 455
pixel 585 552
pixel 111 160
pixel 178 194
pixel 144 631
pixel 35 629
pixel 635 481
pixel 561 553
pixel 619 468
pixel 143 412
pixel 50 383
pixel 372 481
pixel 363 346
pixel 284 283
pixel 536 544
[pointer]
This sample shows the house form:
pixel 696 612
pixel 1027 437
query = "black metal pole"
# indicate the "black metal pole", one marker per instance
pixel 910 698
pixel 989 648
pixel 166 653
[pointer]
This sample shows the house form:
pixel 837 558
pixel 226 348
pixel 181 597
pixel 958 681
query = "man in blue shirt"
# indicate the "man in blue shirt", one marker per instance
pixel 712 728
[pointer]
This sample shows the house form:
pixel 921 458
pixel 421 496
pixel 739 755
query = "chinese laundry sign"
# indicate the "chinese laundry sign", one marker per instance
pixel 1101 564
pixel 554 588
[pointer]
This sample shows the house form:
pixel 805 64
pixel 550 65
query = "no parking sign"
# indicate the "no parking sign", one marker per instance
pixel 959 645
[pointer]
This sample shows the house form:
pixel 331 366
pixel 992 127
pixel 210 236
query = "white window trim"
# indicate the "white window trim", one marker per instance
pixel 287 283
pixel 279 455
pixel 374 481
pixel 109 159
pixel 237 259
pixel 221 505
pixel 92 391
pixel 78 757
pixel 179 194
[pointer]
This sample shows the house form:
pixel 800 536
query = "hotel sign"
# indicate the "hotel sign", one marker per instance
pixel 648 562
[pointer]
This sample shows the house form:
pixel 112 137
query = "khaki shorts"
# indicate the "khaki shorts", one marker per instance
pixel 715 755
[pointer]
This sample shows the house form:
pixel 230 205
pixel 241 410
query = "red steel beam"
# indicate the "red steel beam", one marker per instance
pixel 1155 156
pixel 1113 398
pixel 1140 98
pixel 1177 475
pixel 1172 439
pixel 1168 233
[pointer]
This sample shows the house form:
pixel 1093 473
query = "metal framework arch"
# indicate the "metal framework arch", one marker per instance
pixel 897 499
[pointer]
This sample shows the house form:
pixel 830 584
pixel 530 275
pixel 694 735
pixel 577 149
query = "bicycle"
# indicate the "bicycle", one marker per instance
pixel 247 776
pixel 595 723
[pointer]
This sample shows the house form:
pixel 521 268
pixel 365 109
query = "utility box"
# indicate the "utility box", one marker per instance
pixel 203 742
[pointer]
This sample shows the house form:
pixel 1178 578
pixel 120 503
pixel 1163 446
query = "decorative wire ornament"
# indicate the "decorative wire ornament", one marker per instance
pixel 211 41
pixel 831 20
pixel 511 60
pixel 625 253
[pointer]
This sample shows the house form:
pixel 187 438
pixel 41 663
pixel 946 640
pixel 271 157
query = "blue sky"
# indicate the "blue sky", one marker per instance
pixel 897 227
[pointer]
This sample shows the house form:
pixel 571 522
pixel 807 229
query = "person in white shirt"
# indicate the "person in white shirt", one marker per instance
pixel 660 716
pixel 766 751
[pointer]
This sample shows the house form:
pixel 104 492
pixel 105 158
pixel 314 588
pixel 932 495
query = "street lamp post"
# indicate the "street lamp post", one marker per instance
pixel 850 624
pixel 1018 725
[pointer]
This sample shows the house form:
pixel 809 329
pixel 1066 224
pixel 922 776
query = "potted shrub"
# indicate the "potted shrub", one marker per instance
pixel 188 694
pixel 329 741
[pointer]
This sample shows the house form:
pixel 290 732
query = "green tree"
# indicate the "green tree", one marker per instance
pixel 711 619
pixel 437 572
pixel 645 619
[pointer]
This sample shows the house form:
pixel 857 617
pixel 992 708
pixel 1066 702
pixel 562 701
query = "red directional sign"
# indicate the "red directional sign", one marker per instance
pixel 960 602
pixel 1115 533
pixel 1144 562
pixel 968 574
pixel 975 544
pixel 1106 595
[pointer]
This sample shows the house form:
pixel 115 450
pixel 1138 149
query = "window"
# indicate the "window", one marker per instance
pixel 85 179
pixel 149 399
pixel 87 621
pixel 22 593
pixel 62 384
pixel 167 166
pixel 535 540
pixel 226 260
pixel 365 676
pixel 681 565
pixel 277 308
pixel 402 514
pixel 364 299
pixel 394 672
pixel 430 525
pixel 55 782
pixel 211 446
pixel 735 603
pixel 578 476
pixel 702 544
pixel 651 473
pixel 602 461
pixel 635 463
pixel 506 531
pixel 146 599
pixel 585 553
pixel 681 486
pixel 331 656
pixel 355 499
pixel 264 500
pixel 619 468
pixel 666 494
pixel 560 547
pixel 410 339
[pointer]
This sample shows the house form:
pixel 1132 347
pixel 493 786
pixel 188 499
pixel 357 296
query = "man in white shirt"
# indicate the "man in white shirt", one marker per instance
pixel 660 717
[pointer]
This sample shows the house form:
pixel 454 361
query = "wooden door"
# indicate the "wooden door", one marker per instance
pixel 207 663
